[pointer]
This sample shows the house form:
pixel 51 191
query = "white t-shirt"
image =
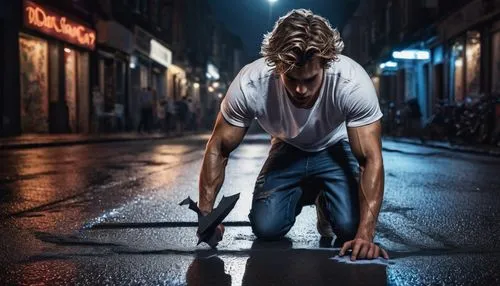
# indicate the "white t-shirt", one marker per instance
pixel 347 97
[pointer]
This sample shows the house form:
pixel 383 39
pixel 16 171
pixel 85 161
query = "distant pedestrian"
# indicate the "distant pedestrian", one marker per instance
pixel 181 111
pixel 167 105
pixel 146 103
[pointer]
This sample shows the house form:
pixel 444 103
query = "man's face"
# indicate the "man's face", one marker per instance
pixel 303 83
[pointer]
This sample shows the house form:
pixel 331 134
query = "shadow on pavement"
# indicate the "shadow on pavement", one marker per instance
pixel 277 263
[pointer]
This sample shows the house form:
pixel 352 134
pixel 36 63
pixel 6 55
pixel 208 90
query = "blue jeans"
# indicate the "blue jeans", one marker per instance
pixel 290 176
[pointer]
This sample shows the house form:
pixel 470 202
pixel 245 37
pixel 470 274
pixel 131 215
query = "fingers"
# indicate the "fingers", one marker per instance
pixel 220 232
pixel 371 252
pixel 345 247
pixel 363 252
pixel 362 249
pixel 377 252
pixel 355 250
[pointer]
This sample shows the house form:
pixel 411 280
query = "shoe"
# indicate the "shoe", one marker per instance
pixel 323 223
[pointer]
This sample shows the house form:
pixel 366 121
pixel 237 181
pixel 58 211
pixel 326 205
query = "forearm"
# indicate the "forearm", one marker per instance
pixel 371 192
pixel 211 176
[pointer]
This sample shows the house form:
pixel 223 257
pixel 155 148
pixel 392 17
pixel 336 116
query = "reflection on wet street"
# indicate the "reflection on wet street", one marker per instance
pixel 109 214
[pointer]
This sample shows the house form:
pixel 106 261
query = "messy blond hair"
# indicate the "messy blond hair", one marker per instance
pixel 299 36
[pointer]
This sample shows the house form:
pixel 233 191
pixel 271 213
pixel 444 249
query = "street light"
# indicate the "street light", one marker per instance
pixel 271 2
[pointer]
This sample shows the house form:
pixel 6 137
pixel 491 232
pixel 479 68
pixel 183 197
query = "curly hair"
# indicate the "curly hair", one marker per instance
pixel 299 36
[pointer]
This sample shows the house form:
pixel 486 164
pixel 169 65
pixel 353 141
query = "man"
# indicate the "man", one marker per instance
pixel 322 112
pixel 146 103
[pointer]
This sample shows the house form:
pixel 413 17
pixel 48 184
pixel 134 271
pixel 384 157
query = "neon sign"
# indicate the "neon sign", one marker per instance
pixel 50 23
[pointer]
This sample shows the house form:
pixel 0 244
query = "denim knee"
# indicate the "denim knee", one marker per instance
pixel 268 229
pixel 346 228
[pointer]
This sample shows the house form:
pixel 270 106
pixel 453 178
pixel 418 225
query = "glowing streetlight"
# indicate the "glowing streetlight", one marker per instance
pixel 271 2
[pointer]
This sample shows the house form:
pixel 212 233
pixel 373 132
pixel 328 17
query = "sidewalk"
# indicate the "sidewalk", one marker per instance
pixel 476 149
pixel 49 140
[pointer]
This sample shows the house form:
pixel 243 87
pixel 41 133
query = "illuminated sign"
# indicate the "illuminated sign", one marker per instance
pixel 212 72
pixel 48 22
pixel 160 53
pixel 411 55
pixel 389 64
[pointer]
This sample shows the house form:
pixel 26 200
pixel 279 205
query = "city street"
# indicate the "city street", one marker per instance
pixel 109 214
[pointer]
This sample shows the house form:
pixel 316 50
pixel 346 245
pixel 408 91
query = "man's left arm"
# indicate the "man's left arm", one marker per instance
pixel 366 145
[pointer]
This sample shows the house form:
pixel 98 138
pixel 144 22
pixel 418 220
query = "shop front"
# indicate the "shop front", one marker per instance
pixel 177 83
pixel 54 71
pixel 149 65
pixel 110 105
pixel 465 66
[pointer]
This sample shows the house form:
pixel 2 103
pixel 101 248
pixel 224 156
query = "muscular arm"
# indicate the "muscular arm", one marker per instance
pixel 366 145
pixel 225 138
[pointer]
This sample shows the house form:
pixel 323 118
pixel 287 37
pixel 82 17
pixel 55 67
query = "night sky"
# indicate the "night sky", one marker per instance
pixel 249 18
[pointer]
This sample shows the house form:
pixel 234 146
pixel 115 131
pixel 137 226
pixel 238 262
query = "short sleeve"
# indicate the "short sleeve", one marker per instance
pixel 234 106
pixel 361 104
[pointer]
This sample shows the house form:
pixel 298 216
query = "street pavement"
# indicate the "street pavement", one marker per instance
pixel 109 214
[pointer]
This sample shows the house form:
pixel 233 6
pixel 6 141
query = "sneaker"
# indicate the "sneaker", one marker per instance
pixel 323 224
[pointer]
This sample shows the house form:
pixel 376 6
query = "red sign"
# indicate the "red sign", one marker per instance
pixel 48 22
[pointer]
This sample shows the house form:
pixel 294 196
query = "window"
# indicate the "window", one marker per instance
pixel 457 70
pixel 473 63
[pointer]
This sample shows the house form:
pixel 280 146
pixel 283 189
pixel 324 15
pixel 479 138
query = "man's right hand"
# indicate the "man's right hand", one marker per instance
pixel 225 138
pixel 219 232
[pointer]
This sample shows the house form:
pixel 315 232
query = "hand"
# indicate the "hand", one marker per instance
pixel 363 249
pixel 219 232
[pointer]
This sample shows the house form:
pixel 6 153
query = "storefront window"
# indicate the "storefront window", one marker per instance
pixel 70 83
pixel 495 79
pixel 54 72
pixel 83 91
pixel 457 65
pixel 144 77
pixel 34 84
pixel 473 63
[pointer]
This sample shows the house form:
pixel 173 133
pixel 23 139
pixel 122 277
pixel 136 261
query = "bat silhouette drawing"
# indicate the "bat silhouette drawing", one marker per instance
pixel 207 224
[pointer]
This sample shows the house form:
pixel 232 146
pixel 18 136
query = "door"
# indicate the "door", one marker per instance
pixel 34 84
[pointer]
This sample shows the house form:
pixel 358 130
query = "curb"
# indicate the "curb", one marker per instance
pixel 447 146
pixel 31 145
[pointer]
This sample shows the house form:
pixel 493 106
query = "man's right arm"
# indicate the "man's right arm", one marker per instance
pixel 225 138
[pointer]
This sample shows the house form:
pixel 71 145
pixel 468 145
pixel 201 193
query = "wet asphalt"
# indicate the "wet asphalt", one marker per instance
pixel 108 214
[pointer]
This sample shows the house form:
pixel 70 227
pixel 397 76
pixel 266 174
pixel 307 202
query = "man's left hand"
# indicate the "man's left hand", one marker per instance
pixel 363 249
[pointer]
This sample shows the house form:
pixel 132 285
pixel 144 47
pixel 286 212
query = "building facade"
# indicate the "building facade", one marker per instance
pixel 80 66
pixel 427 51
pixel 47 50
